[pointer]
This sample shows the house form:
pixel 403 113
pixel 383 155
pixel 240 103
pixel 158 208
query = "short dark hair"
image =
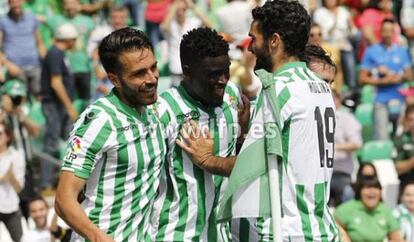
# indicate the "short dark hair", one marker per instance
pixel 361 168
pixel 200 43
pixel 388 20
pixel 318 54
pixel 119 41
pixel 37 198
pixel 366 181
pixel 287 18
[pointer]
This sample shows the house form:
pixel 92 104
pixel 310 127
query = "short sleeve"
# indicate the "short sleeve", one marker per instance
pixel 342 213
pixel 88 142
pixel 54 62
pixel 367 62
pixel 392 222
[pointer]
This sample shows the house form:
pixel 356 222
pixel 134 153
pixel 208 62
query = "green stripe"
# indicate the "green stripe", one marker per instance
pixel 81 130
pixel 94 148
pixel 244 230
pixel 120 176
pixel 319 192
pixel 165 211
pixel 283 97
pixel 297 72
pixel 285 142
pixel 304 212
pixel 138 184
pixel 172 103
pixel 201 202
pixel 96 211
pixel 231 132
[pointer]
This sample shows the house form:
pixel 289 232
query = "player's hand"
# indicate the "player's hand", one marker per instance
pixel 244 115
pixel 196 143
pixel 102 237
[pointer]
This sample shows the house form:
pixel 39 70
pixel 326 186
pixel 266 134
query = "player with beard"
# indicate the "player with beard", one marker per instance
pixel 116 149
pixel 185 209
pixel 305 117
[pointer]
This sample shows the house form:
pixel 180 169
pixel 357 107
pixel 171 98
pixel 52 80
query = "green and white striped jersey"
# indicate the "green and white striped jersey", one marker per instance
pixel 120 154
pixel 307 118
pixel 406 221
pixel 186 207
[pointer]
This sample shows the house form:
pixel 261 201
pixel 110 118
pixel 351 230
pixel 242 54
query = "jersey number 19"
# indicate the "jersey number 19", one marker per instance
pixel 325 131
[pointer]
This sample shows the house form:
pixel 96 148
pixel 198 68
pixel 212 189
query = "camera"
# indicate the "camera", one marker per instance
pixel 16 100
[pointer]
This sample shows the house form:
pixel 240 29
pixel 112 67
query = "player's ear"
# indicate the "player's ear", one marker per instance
pixel 275 40
pixel 115 80
pixel 186 70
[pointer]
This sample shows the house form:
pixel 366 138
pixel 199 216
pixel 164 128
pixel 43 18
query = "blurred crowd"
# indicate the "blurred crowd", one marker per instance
pixel 50 71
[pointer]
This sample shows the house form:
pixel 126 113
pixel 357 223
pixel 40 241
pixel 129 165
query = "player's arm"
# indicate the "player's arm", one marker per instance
pixel 199 147
pixel 69 209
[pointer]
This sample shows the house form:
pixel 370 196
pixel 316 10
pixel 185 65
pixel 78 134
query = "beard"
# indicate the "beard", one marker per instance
pixel 263 61
pixel 134 96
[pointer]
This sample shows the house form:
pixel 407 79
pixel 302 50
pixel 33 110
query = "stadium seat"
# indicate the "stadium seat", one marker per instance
pixel 376 150
pixel 364 113
pixel 367 94
pixel 388 177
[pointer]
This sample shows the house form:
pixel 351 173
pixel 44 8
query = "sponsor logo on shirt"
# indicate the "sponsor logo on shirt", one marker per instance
pixel 193 115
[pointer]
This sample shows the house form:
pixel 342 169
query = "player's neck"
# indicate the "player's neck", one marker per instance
pixel 281 59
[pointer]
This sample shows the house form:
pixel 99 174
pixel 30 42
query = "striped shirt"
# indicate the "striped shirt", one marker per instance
pixel 120 153
pixel 185 208
pixel 406 221
pixel 307 119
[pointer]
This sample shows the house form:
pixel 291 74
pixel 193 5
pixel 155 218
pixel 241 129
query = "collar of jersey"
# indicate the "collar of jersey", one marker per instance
pixel 123 107
pixel 290 65
pixel 192 102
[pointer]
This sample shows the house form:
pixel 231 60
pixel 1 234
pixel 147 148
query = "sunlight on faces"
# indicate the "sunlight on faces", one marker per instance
pixel 71 7
pixel 137 84
pixel 370 197
pixel 407 197
pixel 119 19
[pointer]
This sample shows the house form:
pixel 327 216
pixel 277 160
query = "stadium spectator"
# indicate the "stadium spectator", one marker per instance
pixel 15 108
pixel 315 39
pixel 366 218
pixel 22 43
pixel 404 145
pixel 58 94
pixel 386 65
pixel 407 23
pixel 134 8
pixel 78 57
pixel 43 11
pixel 154 15
pixel 404 212
pixel 348 139
pixel 370 23
pixel 320 62
pixel 117 141
pixel 118 18
pixel 12 171
pixel 366 169
pixel 337 29
pixel 174 26
pixel 42 232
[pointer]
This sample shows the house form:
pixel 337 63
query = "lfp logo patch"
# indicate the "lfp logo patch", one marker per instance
pixel 75 144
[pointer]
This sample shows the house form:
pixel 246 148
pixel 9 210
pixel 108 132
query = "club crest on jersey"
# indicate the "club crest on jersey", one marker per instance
pixel 185 117
pixel 90 116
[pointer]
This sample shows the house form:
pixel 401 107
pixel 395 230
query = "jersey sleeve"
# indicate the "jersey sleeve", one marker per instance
pixel 87 143
pixel 392 221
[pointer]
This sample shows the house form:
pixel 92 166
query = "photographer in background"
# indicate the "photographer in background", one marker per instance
pixel 14 110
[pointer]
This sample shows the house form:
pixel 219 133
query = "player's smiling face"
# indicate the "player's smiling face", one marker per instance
pixel 137 85
pixel 209 78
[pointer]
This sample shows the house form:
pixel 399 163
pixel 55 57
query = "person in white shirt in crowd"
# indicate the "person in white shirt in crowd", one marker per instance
pixel 12 171
pixel 42 232
pixel 175 25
